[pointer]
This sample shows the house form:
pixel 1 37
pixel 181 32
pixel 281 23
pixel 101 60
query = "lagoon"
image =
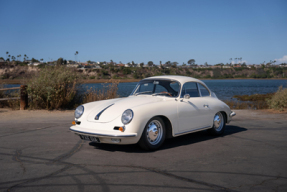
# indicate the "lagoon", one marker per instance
pixel 224 89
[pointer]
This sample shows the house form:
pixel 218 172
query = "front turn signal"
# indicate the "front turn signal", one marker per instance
pixel 121 129
pixel 74 122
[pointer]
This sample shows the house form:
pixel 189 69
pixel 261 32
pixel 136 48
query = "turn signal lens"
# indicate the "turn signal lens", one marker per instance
pixel 74 122
pixel 121 129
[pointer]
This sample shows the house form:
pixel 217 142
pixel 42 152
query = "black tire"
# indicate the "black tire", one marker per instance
pixel 146 141
pixel 218 127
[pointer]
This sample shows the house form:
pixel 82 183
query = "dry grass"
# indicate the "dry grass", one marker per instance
pixel 109 91
pixel 54 88
pixel 279 100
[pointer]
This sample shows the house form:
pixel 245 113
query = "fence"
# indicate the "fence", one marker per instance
pixel 23 96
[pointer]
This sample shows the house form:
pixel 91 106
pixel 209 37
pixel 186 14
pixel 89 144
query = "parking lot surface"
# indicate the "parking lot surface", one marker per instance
pixel 39 153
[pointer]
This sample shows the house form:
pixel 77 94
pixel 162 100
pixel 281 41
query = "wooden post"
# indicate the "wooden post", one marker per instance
pixel 23 97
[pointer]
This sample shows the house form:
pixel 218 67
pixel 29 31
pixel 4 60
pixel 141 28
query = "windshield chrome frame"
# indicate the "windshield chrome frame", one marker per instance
pixel 156 79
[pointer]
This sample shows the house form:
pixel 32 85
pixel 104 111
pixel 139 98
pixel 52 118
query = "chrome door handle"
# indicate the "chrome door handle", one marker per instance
pixel 205 105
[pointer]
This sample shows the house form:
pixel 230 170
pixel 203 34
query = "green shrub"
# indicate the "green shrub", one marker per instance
pixel 92 77
pixel 279 100
pixel 53 88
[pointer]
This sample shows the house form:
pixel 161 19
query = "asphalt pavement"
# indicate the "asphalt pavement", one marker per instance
pixel 39 153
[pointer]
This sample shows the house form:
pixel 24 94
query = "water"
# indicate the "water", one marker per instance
pixel 224 89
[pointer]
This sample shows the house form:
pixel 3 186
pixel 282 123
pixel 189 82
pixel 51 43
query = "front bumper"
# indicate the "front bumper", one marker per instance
pixel 232 114
pixel 107 136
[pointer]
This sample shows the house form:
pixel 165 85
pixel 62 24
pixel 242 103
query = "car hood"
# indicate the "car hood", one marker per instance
pixel 109 110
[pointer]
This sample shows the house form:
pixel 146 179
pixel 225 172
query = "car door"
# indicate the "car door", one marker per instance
pixel 193 111
pixel 206 97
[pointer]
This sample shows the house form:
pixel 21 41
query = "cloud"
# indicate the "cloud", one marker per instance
pixel 282 60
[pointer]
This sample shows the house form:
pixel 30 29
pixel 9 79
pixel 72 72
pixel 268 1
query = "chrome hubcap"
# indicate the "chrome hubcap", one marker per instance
pixel 154 132
pixel 218 121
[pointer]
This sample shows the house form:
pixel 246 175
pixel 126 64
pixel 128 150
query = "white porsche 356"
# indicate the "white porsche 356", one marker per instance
pixel 159 107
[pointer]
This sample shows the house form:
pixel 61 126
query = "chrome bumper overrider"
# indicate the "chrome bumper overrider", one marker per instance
pixel 232 114
pixel 102 135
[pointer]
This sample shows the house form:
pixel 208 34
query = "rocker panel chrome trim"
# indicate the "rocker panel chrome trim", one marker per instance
pixel 195 130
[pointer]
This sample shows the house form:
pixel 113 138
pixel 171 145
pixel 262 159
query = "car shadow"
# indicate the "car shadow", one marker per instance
pixel 187 139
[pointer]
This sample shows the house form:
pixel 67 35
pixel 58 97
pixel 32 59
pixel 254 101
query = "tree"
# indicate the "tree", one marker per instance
pixel 41 59
pixel 34 60
pixel 150 63
pixel 174 64
pixel 7 54
pixel 191 62
pixel 25 57
pixel 235 60
pixel 230 61
pixel 168 64
pixel 60 61
pixel 141 64
pixel 76 55
pixel 206 64
pixel 133 64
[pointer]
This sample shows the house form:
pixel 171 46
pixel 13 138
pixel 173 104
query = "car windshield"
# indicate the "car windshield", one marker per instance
pixel 169 88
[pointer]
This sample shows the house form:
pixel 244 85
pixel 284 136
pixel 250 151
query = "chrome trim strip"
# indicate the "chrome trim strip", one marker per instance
pixel 102 135
pixel 99 114
pixel 195 130
pixel 232 114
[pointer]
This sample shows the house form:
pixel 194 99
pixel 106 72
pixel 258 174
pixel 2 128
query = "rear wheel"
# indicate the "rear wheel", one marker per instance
pixel 219 122
pixel 153 135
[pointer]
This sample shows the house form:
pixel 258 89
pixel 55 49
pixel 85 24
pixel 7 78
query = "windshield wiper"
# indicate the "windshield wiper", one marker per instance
pixel 142 92
pixel 155 94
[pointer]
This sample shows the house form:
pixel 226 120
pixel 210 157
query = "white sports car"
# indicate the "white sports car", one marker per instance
pixel 159 107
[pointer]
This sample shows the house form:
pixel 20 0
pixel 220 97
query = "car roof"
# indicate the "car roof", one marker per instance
pixel 181 79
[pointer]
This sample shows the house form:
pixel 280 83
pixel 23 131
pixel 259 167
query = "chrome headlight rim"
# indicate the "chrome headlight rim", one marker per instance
pixel 125 122
pixel 79 111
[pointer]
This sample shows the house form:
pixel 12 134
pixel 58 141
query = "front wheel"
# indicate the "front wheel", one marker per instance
pixel 153 135
pixel 218 124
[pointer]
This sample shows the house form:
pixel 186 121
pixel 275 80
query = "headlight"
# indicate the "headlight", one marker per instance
pixel 79 111
pixel 127 116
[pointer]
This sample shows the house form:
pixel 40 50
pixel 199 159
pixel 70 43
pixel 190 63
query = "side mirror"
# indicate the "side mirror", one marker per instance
pixel 186 96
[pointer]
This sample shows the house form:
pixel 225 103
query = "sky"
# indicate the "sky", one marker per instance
pixel 211 31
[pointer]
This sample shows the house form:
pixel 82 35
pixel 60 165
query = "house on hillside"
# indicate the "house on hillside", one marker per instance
pixel 120 65
pixel 237 66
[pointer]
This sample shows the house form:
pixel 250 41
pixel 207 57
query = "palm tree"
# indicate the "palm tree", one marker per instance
pixel 25 57
pixel 236 60
pixel 20 56
pixel 7 54
pixel 76 55
pixel 230 61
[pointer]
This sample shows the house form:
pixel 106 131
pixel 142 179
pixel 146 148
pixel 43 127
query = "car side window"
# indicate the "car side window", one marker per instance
pixel 204 92
pixel 191 89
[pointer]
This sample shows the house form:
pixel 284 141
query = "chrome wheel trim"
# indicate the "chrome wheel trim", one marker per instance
pixel 218 121
pixel 154 132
